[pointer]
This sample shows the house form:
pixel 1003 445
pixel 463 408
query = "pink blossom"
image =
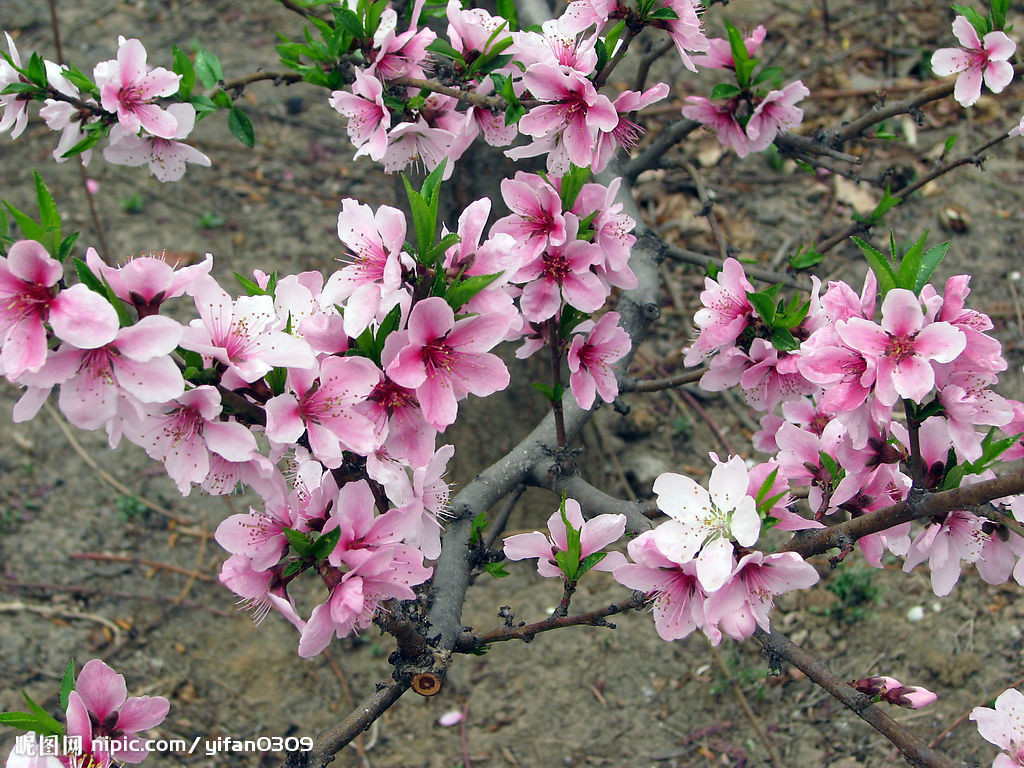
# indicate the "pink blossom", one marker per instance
pixel 409 142
pixel 1018 129
pixel 183 432
pixel 562 272
pixel 368 118
pixel 558 47
pixel 147 281
pixel 136 363
pixel 590 360
pixel 321 403
pixel 396 413
pixel 679 599
pixel 976 60
pixel 685 30
pixel 242 333
pixel 100 707
pixel 726 311
pixel 423 500
pixel 706 522
pixel 596 534
pixel 371 284
pixel 258 535
pixel 30 297
pixel 1004 727
pixel 719 55
pixel 721 118
pixel 127 87
pixel 893 691
pixel 15 108
pixel 401 55
pixel 536 219
pixel 258 591
pixel 165 157
pixel 776 112
pixel 612 231
pixel 443 360
pixel 747 597
pixel 585 13
pixel 772 377
pixel 903 346
pixel 946 545
pixel 572 116
pixel 626 133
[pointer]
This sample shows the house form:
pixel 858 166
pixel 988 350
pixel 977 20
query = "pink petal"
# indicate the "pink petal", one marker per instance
pixel 102 690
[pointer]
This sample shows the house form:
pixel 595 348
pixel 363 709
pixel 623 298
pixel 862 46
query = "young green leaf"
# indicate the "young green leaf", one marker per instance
pixel 323 546
pixel 497 570
pixel 764 305
pixel 48 216
pixel 299 541
pixel 47 722
pixel 67 684
pixel 183 66
pixel 241 127
pixel 507 10
pixel 464 290
pixel 725 91
pixel 879 265
pixel 208 69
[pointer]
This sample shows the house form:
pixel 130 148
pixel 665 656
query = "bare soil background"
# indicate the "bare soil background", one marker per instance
pixel 151 606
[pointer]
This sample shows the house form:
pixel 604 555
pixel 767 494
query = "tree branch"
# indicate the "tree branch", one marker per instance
pixel 778 647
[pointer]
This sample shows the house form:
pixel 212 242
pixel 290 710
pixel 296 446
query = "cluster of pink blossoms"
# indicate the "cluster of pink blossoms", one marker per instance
pixel 141 133
pixel 829 397
pixel 324 396
pixel 552 70
pixel 103 724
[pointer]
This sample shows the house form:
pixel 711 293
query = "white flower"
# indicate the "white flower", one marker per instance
pixel 706 522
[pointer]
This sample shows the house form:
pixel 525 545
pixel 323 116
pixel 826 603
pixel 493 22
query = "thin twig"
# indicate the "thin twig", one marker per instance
pixel 132 559
pixel 778 647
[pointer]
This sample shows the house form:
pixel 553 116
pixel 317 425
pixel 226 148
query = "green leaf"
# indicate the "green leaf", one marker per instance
pixel 29 229
pixel 572 184
pixel 323 546
pixel 829 464
pixel 99 285
pixel 48 724
pixel 208 69
pixel 36 70
pixel 204 105
pixel 92 138
pixel 13 88
pixel 611 40
pixel 663 14
pixel 784 341
pixel 589 562
pixel 979 22
pixel 887 203
pixel 241 127
pixel 78 79
pixel 299 541
pixel 803 259
pixel 476 532
pixel 568 564
pixel 997 15
pixel 725 91
pixel 442 48
pixel 741 59
pixel 277 379
pixel 464 290
pixel 764 305
pixel 64 249
pixel 507 10
pixel 768 73
pixel 222 100
pixel 514 113
pixel 910 264
pixel 21 720
pixel 183 66
pixel 292 568
pixel 67 684
pixel 350 22
pixel 931 259
pixel 251 287
pixel 48 216
pixel 497 570
pixel 879 265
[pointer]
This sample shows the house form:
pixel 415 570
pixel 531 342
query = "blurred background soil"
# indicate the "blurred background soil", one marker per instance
pixel 126 570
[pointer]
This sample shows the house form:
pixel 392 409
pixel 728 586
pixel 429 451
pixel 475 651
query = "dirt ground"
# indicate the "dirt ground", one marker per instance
pixel 89 570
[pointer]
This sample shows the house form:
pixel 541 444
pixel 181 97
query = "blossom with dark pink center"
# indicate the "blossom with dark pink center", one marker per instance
pixel 590 359
pixel 444 359
pixel 976 59
pixel 719 52
pixel 101 712
pixel 147 281
pixel 725 312
pixel 127 87
pixel 321 402
pixel 721 118
pixel 903 346
pixel 30 297
pixel 776 112
pixel 165 157
pixel 536 219
pixel 368 118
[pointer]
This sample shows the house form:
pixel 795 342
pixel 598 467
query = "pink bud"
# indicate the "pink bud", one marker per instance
pixel 915 697
pixel 92 186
